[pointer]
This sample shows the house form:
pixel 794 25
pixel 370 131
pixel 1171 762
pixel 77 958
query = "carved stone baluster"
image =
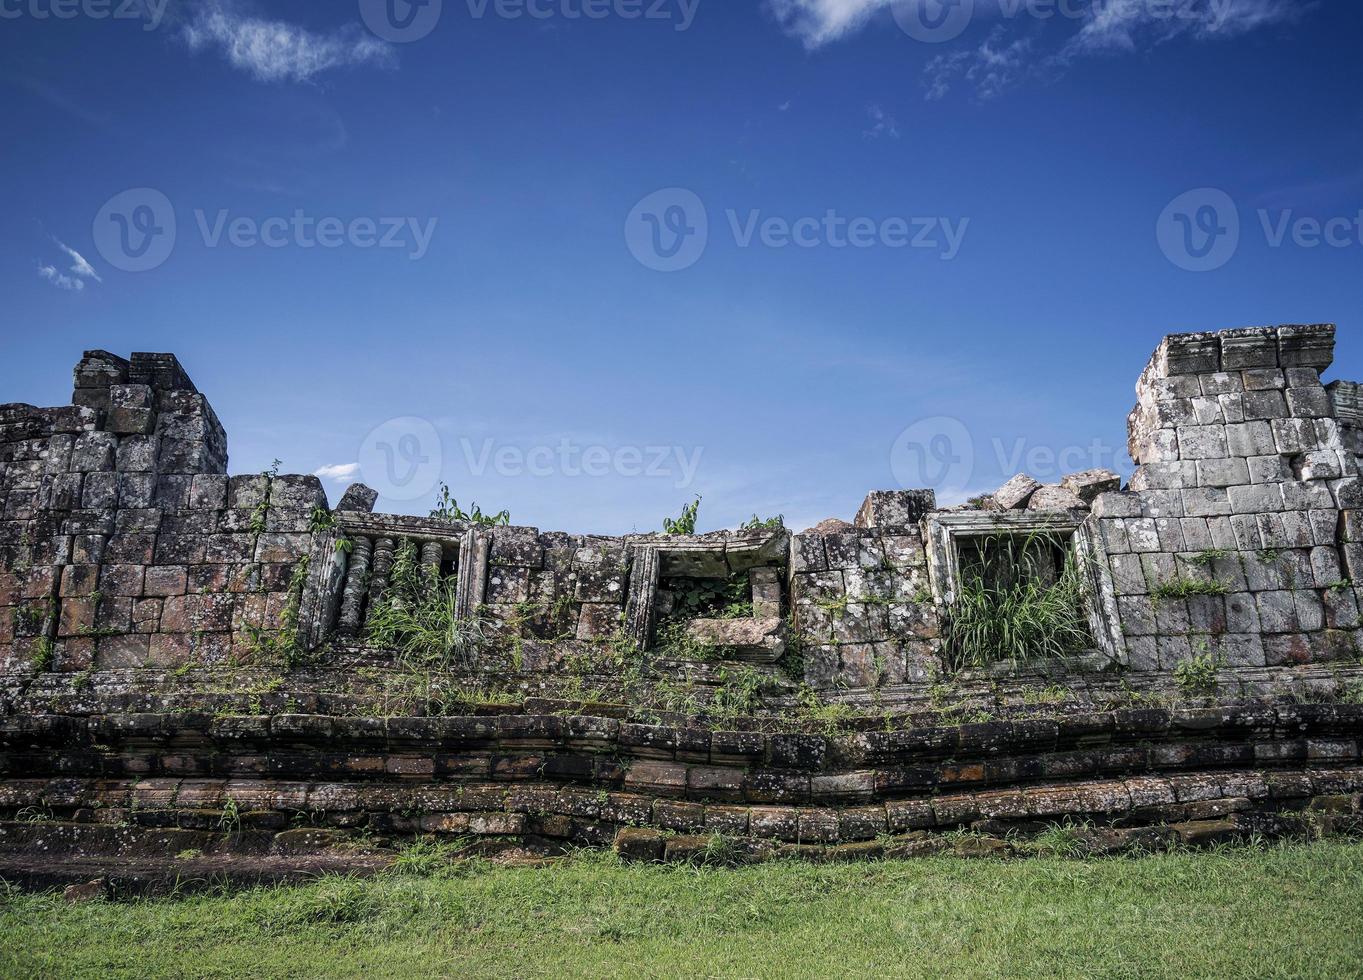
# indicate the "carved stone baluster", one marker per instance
pixel 640 607
pixel 383 566
pixel 432 554
pixel 356 583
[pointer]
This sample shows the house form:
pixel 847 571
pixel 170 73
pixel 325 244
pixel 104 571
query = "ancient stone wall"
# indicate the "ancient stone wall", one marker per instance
pixel 125 545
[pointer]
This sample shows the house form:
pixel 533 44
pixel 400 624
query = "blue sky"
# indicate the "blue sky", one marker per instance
pixel 1021 196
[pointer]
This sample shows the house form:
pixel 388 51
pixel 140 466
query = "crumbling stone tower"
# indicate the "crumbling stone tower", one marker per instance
pixel 1241 530
pixel 124 543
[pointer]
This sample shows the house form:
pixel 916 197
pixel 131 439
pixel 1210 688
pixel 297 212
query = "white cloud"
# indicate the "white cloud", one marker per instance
pixel 817 22
pixel 275 50
pixel 79 266
pixel 60 280
pixel 338 471
pixel 1128 25
pixel 882 124
pixel 74 278
pixel 991 67
pixel 1089 27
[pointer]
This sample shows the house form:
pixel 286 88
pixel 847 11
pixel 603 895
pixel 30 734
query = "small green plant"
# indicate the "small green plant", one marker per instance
pixel 686 523
pixel 1207 558
pixel 44 655
pixel 282 644
pixel 427 857
pixel 1269 556
pixel 1062 840
pixel 1183 588
pixel 836 607
pixel 739 692
pixel 229 821
pixel 769 524
pixel 829 717
pixel 1343 585
pixel 675 642
pixel 261 512
pixel 1196 676
pixel 720 851
pixel 448 509
pixel 321 519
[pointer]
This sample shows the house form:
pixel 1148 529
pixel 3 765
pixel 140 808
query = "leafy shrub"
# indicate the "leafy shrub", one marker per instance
pixel 448 509
pixel 1197 675
pixel 686 523
pixel 758 524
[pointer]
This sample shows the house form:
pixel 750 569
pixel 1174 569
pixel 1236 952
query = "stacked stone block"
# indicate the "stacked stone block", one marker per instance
pixel 862 600
pixel 1244 484
pixel 124 542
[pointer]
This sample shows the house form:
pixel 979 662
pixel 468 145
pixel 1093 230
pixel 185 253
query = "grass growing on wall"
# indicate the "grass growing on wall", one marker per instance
pixel 1018 600
pixel 416 617
pixel 1280 911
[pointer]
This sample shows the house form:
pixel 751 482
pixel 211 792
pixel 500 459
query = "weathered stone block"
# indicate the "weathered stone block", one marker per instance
pixel 895 508
pixel 1014 494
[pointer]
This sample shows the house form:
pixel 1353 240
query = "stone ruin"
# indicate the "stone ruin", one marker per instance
pixel 196 661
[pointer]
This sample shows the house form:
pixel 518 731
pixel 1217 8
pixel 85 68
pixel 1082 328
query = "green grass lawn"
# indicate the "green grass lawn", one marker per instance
pixel 1283 911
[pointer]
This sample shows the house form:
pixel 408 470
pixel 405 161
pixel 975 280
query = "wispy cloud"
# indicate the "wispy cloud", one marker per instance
pixel 1129 25
pixel 816 22
pixel 882 124
pixel 275 50
pixel 60 280
pixel 991 67
pixel 1013 46
pixel 338 472
pixel 74 278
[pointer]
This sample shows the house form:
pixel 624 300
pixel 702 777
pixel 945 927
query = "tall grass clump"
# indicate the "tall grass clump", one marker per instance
pixel 1018 601
pixel 415 618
